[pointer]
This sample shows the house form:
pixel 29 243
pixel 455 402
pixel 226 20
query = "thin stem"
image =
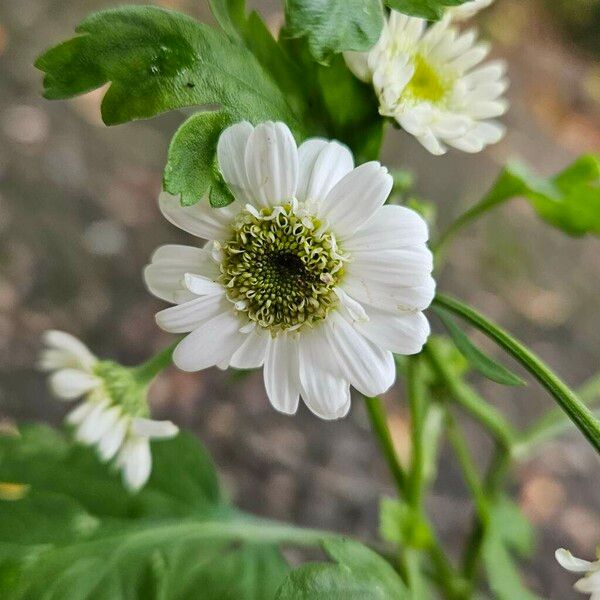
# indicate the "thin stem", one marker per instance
pixel 380 427
pixel 468 399
pixel 578 412
pixel 418 412
pixel 148 370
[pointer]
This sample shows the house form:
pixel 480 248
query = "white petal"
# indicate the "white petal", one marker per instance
pixel 208 345
pixel 136 462
pixel 251 354
pixel 325 392
pixel 567 561
pixel 200 219
pixel 389 228
pixel 190 315
pixel 401 333
pixel 308 152
pixel 330 165
pixel 105 422
pixel 76 353
pixel 388 295
pixel 69 384
pixel 370 369
pixel 202 286
pixel 281 374
pixel 589 584
pixel 358 63
pixel 111 441
pixel 87 430
pixel 150 428
pixel 356 197
pixel 79 413
pixel 272 164
pixel 165 275
pixel 231 153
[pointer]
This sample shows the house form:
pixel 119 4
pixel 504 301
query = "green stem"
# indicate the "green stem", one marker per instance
pixel 466 397
pixel 148 370
pixel 418 412
pixel 578 412
pixel 380 427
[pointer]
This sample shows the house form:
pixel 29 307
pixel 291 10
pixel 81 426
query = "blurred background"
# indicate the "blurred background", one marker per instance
pixel 78 221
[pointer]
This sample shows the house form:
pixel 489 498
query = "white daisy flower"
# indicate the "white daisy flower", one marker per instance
pixel 468 9
pixel 590 583
pixel 429 79
pixel 113 414
pixel 307 273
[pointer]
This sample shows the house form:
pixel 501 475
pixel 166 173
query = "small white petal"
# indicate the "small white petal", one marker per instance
pixel 152 429
pixel 79 413
pixel 251 354
pixel 355 309
pixel 112 440
pixel 589 584
pixel 281 377
pixel 200 219
pixel 87 430
pixel 567 561
pixel 69 384
pixel 202 286
pixel 271 164
pixel 358 63
pixel 188 316
pixel 214 341
pixel 356 197
pixel 231 153
pixel 136 461
pixel 76 353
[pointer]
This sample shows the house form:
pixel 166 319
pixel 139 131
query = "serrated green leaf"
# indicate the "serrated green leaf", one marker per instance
pixel 477 359
pixel 334 26
pixel 359 573
pixel 192 171
pixel 426 9
pixel 570 201
pixel 158 60
pixel 79 535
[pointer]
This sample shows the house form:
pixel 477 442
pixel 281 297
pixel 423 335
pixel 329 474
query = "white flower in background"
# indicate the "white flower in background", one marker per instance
pixel 590 584
pixel 113 415
pixel 468 9
pixel 307 273
pixel 429 79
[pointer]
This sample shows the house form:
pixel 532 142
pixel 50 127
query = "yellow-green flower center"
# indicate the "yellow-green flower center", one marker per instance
pixel 426 84
pixel 280 268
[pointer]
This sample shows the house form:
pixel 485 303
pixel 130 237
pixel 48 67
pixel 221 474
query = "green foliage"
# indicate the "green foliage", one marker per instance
pixel 334 26
pixel 426 9
pixel 76 533
pixel 399 524
pixel 508 532
pixel 570 201
pixel 480 361
pixel 358 574
pixel 192 170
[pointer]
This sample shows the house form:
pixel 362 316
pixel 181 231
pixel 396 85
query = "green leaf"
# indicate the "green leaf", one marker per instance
pixel 359 574
pixel 401 525
pixel 426 9
pixel 192 170
pixel 477 359
pixel 508 530
pixel 334 26
pixel 570 201
pixel 78 534
pixel 158 60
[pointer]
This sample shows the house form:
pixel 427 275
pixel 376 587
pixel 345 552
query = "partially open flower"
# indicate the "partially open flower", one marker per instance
pixel 113 415
pixel 306 273
pixel 468 9
pixel 590 583
pixel 429 79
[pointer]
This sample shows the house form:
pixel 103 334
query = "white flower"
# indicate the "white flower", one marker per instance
pixel 112 416
pixel 468 9
pixel 429 79
pixel 306 273
pixel 590 584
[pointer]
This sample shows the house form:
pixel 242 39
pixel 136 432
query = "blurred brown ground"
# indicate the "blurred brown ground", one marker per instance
pixel 78 221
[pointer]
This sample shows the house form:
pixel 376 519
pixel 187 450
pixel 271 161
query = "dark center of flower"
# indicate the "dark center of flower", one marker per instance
pixel 281 268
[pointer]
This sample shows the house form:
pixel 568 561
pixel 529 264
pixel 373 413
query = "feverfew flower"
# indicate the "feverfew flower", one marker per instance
pixel 307 273
pixel 590 584
pixel 114 413
pixel 468 9
pixel 429 79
